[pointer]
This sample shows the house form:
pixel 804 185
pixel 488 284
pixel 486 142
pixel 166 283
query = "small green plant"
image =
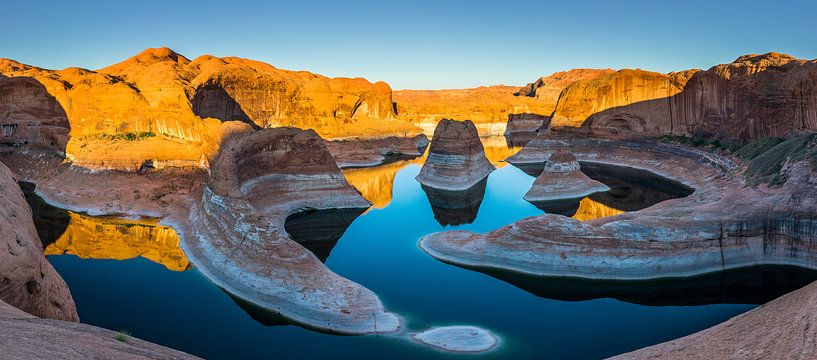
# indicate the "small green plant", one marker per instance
pixel 122 335
pixel 128 136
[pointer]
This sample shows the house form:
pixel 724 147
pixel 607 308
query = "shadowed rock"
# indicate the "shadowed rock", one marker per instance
pixel 562 179
pixel 372 152
pixel 238 236
pixel 27 280
pixel 456 158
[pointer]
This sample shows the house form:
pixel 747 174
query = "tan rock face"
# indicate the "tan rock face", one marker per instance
pixel 456 158
pixel 755 96
pixel 27 280
pixel 162 109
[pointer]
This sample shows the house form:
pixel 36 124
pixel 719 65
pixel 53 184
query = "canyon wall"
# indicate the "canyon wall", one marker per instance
pixel 160 109
pixel 755 96
pixel 27 280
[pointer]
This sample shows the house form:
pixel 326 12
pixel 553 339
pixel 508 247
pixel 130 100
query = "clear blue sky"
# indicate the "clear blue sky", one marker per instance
pixel 413 44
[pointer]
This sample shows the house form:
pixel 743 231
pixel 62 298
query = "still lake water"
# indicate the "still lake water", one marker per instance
pixel 130 275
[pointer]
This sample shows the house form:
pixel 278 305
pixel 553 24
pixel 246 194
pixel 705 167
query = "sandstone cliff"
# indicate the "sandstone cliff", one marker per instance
pixel 161 109
pixel 27 280
pixel 755 96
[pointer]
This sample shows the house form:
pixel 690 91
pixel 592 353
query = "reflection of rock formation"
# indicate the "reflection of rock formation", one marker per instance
pixel 376 183
pixel 456 207
pixel 27 280
pixel 456 159
pixel 320 230
pixel 238 238
pixel 519 139
pixel 753 285
pixel 92 237
pixel 562 179
pixel 497 150
pixel 50 221
pixel 632 189
pixel 590 209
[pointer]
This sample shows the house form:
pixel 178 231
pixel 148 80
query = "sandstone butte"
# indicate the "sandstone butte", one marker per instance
pixel 753 97
pixel 161 109
pixel 489 107
pixel 562 179
pixel 456 158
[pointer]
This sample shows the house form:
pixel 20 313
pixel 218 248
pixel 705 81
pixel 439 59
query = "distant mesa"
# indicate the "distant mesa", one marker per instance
pixel 456 158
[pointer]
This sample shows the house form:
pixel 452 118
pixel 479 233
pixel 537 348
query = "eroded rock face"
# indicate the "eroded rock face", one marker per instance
pixel 724 224
pixel 781 329
pixel 371 152
pixel 755 96
pixel 159 109
pixel 27 280
pixel 456 159
pixel 23 336
pixel 237 236
pixel 562 178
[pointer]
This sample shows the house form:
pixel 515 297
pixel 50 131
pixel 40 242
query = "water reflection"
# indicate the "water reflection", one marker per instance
pixel 519 138
pixel 319 230
pixel 456 207
pixel 95 237
pixel 580 209
pixel 752 285
pixel 632 189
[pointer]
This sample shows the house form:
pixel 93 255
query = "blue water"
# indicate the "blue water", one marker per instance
pixel 379 250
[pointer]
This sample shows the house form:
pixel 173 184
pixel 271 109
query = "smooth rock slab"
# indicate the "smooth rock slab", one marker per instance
pixel 461 339
pixel 562 179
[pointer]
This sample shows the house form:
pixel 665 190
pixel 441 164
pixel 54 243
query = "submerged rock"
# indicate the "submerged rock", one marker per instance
pixel 460 339
pixel 238 236
pixel 27 279
pixel 456 159
pixel 562 179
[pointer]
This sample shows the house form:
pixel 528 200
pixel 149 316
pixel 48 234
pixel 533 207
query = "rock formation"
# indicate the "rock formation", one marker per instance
pixel 753 97
pixel 726 223
pixel 372 152
pixel 456 159
pixel 159 109
pixel 27 280
pixel 23 337
pixel 237 236
pixel 489 107
pixel 562 179
pixel 781 329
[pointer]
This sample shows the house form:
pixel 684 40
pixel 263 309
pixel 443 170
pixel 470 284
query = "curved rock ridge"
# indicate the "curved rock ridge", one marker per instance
pixel 160 109
pixel 23 337
pixel 351 153
pixel 724 224
pixel 27 280
pixel 753 97
pixel 562 178
pixel 781 329
pixel 237 236
pixel 458 339
pixel 456 158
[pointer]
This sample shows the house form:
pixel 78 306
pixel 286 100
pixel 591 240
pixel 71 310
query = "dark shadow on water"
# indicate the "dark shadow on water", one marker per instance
pixel 566 207
pixel 456 207
pixel 632 189
pixel 320 230
pixel 749 285
pixel 271 318
pixel 50 222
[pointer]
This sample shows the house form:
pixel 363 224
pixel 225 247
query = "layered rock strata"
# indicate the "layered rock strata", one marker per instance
pixel 27 280
pixel 237 236
pixel 24 336
pixel 372 152
pixel 562 179
pixel 456 159
pixel 724 224
pixel 753 97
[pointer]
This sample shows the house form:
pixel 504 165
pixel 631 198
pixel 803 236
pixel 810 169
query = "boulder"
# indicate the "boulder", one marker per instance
pixel 456 158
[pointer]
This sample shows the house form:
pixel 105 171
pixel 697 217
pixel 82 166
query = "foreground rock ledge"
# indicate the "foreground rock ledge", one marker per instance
pixel 459 339
pixel 724 224
pixel 456 159
pixel 237 236
pixel 562 179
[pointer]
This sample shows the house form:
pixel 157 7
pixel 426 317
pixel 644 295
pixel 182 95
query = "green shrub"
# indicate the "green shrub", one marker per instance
pixel 765 168
pixel 122 336
pixel 128 136
pixel 756 148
